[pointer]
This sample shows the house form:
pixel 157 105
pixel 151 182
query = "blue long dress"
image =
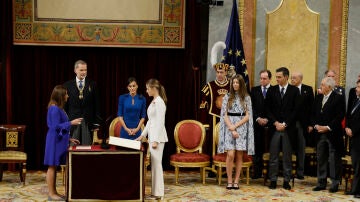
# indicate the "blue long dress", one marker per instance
pixel 57 138
pixel 131 113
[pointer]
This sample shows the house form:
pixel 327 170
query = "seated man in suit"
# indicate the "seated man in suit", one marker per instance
pixel 326 117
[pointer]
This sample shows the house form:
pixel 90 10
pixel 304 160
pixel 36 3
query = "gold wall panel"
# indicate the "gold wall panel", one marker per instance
pixel 292 33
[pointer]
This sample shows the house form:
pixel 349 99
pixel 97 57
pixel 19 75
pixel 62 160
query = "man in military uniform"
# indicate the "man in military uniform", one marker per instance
pixel 211 99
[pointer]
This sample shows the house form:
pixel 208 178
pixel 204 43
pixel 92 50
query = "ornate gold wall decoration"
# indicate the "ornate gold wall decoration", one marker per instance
pixel 343 52
pixel 119 23
pixel 292 38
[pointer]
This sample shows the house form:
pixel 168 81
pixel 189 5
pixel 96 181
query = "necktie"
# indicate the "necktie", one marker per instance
pixel 282 92
pixel 264 92
pixel 325 98
pixel 80 84
pixel 356 105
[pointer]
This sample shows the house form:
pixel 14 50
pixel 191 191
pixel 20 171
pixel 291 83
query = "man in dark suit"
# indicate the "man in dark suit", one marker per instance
pixel 337 89
pixel 353 131
pixel 258 95
pixel 352 92
pixel 83 102
pixel 327 115
pixel 282 104
pixel 307 99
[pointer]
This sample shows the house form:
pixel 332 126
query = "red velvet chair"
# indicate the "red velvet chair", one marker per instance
pixel 219 160
pixel 189 137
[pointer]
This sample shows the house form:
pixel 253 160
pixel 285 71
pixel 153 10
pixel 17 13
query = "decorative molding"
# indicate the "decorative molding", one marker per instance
pixel 169 33
pixel 344 35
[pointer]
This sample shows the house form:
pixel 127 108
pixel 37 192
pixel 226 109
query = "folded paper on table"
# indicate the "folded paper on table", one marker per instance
pixel 86 147
pixel 122 142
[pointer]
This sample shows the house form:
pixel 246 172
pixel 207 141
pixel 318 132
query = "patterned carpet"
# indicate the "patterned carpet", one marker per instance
pixel 188 189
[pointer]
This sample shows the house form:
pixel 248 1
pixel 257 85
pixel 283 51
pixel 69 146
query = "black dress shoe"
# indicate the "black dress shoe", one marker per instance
pixel 349 193
pixel 272 185
pixel 300 177
pixel 256 177
pixel 286 186
pixel 357 196
pixel 318 188
pixel 334 189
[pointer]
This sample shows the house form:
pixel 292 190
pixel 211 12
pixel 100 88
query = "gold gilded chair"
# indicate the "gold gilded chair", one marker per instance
pixel 310 160
pixel 189 137
pixel 219 160
pixel 12 148
pixel 114 131
pixel 347 168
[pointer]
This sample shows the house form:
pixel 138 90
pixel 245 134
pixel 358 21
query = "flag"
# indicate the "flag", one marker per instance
pixel 234 52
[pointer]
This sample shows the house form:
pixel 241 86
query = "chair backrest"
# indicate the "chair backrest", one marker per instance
pixel 189 136
pixel 115 127
pixel 12 137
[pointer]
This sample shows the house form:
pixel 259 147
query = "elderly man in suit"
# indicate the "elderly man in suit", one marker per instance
pixel 327 115
pixel 353 131
pixel 83 102
pixel 282 104
pixel 258 95
pixel 307 99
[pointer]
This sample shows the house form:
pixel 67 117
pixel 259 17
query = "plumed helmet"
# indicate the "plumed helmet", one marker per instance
pixel 218 47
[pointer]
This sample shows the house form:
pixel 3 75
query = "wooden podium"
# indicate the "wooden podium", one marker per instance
pixel 96 174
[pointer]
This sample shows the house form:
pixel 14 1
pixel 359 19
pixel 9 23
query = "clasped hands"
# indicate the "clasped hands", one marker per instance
pixel 131 131
pixel 233 131
pixel 319 128
pixel 262 121
pixel 280 126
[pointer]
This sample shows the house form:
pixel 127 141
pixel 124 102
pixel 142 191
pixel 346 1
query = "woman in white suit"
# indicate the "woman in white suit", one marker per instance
pixel 157 136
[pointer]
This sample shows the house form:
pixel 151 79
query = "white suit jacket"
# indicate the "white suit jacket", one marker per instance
pixel 155 126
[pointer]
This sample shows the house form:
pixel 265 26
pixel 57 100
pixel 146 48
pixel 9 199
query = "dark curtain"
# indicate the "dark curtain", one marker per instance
pixel 35 70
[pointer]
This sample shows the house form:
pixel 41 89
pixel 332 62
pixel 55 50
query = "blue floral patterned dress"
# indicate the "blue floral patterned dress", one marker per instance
pixel 246 140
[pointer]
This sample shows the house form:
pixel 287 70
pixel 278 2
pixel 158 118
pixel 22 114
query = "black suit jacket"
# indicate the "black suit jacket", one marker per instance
pixel 283 110
pixel 331 114
pixel 353 121
pixel 258 103
pixel 88 107
pixel 307 100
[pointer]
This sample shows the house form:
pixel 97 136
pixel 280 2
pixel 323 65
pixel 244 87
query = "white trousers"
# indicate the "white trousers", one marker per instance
pixel 157 175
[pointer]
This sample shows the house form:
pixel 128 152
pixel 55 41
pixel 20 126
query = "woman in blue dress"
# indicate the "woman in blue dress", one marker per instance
pixel 236 128
pixel 131 111
pixel 57 138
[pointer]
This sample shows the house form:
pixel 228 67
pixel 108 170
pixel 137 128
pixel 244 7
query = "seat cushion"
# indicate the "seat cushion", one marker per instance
pixel 220 157
pixel 246 157
pixel 13 155
pixel 189 157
